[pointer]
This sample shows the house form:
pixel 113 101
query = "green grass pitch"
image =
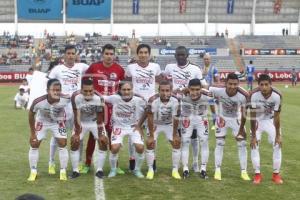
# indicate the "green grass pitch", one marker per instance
pixel 14 167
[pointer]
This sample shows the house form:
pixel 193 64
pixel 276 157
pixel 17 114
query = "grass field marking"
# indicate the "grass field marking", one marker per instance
pixel 98 183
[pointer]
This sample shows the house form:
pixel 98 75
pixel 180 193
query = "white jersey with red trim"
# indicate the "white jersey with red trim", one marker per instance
pixel 143 78
pixel 70 78
pixel 229 106
pixel 50 113
pixel 181 75
pixel 88 108
pixel 125 113
pixel 163 113
pixel 265 107
pixel 198 107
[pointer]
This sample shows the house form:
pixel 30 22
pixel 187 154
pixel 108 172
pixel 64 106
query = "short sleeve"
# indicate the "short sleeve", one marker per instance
pixel 53 73
pixel 167 71
pixel 277 107
pixel 128 71
pixel 158 70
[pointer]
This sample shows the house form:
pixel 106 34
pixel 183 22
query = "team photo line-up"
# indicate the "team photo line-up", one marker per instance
pixel 107 102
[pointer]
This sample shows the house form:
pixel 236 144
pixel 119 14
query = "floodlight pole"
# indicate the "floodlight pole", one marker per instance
pixel 159 18
pixel 252 25
pixel 206 17
pixel 64 16
pixel 112 17
pixel 299 23
pixel 16 18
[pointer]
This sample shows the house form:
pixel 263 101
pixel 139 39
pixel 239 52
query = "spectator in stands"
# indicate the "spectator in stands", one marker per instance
pixel 226 32
pixel 266 71
pixel 250 74
pixel 133 34
pixel 283 31
pixel 222 35
pixel 286 32
pixel 294 77
pixel 21 99
pixel 217 34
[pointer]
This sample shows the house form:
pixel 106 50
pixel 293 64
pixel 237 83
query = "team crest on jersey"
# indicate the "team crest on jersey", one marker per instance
pixel 38 126
pixel 113 76
pixel 186 123
pixel 117 131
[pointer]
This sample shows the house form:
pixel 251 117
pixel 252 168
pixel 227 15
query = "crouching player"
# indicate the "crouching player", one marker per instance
pixel 162 115
pixel 127 115
pixel 88 117
pixel 265 117
pixel 231 104
pixel 47 113
pixel 194 109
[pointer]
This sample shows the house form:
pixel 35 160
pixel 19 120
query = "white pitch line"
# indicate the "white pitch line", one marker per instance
pixel 98 183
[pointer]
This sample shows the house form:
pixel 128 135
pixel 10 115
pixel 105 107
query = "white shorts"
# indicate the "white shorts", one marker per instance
pixel 88 127
pixel 118 134
pixel 268 127
pixel 58 130
pixel 20 104
pixel 224 124
pixel 167 130
pixel 196 122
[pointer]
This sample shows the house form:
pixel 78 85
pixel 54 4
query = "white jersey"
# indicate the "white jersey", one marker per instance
pixel 265 107
pixel 50 113
pixel 143 78
pixel 88 108
pixel 70 78
pixel 163 113
pixel 25 87
pixel 229 106
pixel 21 100
pixel 182 75
pixel 125 113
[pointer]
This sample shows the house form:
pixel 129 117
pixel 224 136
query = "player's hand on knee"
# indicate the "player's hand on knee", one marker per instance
pixel 103 140
pixel 75 140
pixel 278 141
pixel 241 135
pixel 150 142
pixel 253 143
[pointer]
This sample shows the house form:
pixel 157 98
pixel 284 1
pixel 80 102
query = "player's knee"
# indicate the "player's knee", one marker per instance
pixel 139 148
pixel 220 141
pixel 62 143
pixel 102 145
pixel 150 145
pixel 34 145
pixel 176 145
pixel 114 149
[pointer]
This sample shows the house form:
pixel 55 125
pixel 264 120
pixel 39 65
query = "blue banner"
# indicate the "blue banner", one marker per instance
pixel 192 51
pixel 135 7
pixel 230 6
pixel 88 9
pixel 39 9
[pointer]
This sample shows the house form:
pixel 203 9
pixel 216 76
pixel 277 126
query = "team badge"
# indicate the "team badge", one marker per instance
pixel 117 131
pixel 113 76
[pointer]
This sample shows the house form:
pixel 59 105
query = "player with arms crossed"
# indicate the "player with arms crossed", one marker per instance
pixel 265 117
pixel 231 104
pixel 69 75
pixel 47 113
pixel 128 110
pixel 143 74
pixel 181 73
pixel 162 116
pixel 194 110
pixel 88 117
pixel 106 76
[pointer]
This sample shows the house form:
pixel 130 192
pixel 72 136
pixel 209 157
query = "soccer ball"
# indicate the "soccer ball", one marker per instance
pixel 286 86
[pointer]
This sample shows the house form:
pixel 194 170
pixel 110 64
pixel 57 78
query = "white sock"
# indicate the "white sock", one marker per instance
pixel 195 146
pixel 242 149
pixel 131 148
pixel 176 153
pixel 185 153
pixel 75 160
pixel 53 146
pixel 101 159
pixel 113 158
pixel 80 150
pixel 276 158
pixel 220 142
pixel 150 158
pixel 204 154
pixel 255 157
pixel 139 160
pixel 63 157
pixel 33 157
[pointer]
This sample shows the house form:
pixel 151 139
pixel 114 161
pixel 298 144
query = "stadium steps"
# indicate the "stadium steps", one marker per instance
pixel 234 50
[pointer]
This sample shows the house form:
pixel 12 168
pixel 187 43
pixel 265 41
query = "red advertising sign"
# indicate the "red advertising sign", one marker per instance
pixel 271 52
pixel 12 76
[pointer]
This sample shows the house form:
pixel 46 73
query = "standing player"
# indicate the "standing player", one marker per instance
pixel 69 74
pixel 194 109
pixel 231 104
pixel 162 115
pixel 181 73
pixel 106 77
pixel 265 117
pixel 143 75
pixel 88 111
pixel 294 77
pixel 250 74
pixel 21 99
pixel 47 113
pixel 126 117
